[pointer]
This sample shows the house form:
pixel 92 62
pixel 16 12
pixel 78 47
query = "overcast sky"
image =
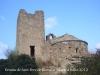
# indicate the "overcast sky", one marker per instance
pixel 80 18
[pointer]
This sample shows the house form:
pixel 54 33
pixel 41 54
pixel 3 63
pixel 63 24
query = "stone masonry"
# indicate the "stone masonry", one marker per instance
pixel 64 50
pixel 58 51
pixel 30 33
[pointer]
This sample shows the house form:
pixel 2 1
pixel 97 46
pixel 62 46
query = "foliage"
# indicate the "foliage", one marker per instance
pixel 19 64
pixel 60 73
pixel 9 52
pixel 89 65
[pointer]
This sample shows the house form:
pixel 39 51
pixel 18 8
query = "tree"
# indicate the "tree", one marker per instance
pixel 9 52
pixel 18 65
pixel 89 65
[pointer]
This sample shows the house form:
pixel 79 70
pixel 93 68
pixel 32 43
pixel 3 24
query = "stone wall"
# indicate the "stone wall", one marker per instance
pixel 30 32
pixel 64 37
pixel 57 52
pixel 61 52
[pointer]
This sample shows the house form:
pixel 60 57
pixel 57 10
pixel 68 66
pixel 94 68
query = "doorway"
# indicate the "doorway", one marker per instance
pixel 32 51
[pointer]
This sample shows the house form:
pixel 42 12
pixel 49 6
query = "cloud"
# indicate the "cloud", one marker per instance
pixel 50 22
pixel 2 17
pixel 98 46
pixel 3 47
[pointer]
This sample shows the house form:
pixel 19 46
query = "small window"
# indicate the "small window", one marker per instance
pixel 32 51
pixel 76 49
pixel 59 48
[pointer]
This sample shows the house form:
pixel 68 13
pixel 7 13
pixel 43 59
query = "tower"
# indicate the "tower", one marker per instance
pixel 30 33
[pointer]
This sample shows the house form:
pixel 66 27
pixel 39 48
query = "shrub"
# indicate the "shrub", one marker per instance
pixel 89 65
pixel 14 62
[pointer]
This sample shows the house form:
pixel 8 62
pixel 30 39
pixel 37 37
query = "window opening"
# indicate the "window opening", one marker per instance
pixel 76 49
pixel 69 47
pixel 50 37
pixel 32 51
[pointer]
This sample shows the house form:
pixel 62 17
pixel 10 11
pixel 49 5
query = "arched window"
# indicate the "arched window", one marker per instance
pixel 49 37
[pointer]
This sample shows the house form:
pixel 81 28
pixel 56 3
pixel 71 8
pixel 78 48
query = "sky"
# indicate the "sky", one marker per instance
pixel 80 18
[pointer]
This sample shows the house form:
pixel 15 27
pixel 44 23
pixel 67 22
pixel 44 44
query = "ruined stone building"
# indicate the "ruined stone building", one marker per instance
pixel 60 51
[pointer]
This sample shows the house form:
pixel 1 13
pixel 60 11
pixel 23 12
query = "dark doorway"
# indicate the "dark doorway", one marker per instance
pixel 32 51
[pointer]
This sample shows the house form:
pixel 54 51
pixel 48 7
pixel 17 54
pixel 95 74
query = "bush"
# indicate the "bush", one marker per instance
pixel 14 62
pixel 89 65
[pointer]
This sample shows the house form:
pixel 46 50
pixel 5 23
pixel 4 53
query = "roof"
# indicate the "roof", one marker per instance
pixel 66 38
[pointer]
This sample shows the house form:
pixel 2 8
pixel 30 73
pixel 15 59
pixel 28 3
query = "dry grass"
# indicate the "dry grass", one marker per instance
pixel 39 63
pixel 60 73
pixel 47 63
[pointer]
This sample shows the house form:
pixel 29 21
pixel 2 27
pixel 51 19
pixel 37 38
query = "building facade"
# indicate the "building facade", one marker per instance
pixel 58 51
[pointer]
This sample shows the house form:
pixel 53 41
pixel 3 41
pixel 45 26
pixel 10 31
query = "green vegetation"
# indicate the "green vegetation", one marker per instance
pixel 24 65
pixel 18 65
pixel 60 73
pixel 89 66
